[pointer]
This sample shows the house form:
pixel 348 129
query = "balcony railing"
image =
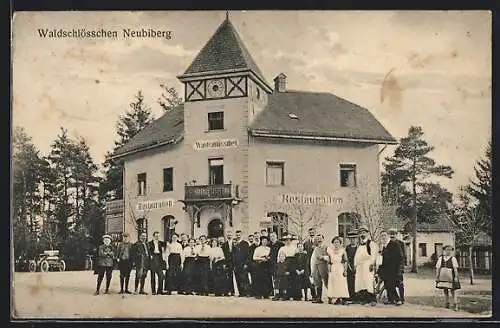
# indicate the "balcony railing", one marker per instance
pixel 211 192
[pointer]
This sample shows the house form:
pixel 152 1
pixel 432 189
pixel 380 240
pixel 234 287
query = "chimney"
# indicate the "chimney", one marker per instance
pixel 280 83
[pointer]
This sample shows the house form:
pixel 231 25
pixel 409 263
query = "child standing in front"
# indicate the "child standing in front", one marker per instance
pixel 302 269
pixel 447 276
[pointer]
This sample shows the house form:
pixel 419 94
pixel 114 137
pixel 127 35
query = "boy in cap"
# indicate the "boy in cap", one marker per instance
pixel 106 258
pixel 124 258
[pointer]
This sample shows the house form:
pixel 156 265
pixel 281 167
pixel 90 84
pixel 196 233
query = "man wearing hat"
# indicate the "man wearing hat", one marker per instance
pixel 350 250
pixel 364 264
pixel 124 258
pixel 105 262
pixel 319 267
pixel 392 258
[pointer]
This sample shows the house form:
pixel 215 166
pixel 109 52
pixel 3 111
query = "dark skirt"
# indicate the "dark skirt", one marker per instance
pixel 262 275
pixel 188 275
pixel 280 276
pixel 219 278
pixel 202 274
pixel 174 272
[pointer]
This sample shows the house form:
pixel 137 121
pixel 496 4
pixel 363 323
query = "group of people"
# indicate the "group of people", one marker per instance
pixel 262 266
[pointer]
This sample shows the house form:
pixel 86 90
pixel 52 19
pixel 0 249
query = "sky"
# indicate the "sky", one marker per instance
pixel 430 69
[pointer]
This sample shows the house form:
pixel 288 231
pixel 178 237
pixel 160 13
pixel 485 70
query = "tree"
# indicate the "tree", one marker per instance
pixel 470 221
pixel 170 99
pixel 371 209
pixel 480 187
pixel 300 216
pixel 26 166
pixel 134 120
pixel 406 178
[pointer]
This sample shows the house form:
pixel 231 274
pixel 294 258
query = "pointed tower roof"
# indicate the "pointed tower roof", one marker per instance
pixel 225 51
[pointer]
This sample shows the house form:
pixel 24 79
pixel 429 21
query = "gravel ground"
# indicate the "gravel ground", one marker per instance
pixel 70 295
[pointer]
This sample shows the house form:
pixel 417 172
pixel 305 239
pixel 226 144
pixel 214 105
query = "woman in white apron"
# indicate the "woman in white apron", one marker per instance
pixel 337 281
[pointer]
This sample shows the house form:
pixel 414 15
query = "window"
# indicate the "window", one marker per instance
pixel 216 171
pixel 275 173
pixel 422 249
pixel 216 121
pixel 346 222
pixel 438 249
pixel 168 179
pixel 141 184
pixel 280 223
pixel 347 175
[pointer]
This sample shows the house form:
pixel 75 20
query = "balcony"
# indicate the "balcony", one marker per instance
pixel 211 192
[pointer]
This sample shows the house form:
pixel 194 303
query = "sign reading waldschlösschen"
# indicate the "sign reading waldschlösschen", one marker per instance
pixel 215 144
pixel 154 204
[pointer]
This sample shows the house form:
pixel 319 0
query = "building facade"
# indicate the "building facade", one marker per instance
pixel 241 154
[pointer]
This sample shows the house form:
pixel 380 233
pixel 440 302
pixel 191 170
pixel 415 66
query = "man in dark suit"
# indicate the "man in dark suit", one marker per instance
pixel 274 245
pixel 399 279
pixel 240 261
pixel 319 267
pixel 253 242
pixel 156 249
pixel 351 274
pixel 309 247
pixel 227 249
pixel 392 257
pixel 141 260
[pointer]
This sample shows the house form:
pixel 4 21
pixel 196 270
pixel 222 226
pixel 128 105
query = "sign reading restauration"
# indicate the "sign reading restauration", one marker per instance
pixel 215 144
pixel 310 199
pixel 155 204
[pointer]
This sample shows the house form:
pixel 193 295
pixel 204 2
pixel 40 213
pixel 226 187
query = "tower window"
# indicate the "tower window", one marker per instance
pixel 216 171
pixel 216 121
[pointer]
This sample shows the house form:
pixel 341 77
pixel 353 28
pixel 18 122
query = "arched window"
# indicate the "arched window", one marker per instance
pixel 347 221
pixel 280 222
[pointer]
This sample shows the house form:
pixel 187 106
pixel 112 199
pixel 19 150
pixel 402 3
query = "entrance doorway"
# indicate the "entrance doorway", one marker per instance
pixel 215 228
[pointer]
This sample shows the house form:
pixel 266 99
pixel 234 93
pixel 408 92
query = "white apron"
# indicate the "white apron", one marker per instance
pixel 364 279
pixel 337 283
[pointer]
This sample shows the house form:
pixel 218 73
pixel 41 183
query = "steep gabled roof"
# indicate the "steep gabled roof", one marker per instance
pixel 167 129
pixel 224 51
pixel 316 114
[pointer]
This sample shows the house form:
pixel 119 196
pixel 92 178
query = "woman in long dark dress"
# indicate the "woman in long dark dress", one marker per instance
pixel 217 271
pixel 263 285
pixel 188 268
pixel 174 278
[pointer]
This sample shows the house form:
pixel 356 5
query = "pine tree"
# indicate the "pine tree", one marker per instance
pixel 406 178
pixel 480 187
pixel 135 119
pixel 170 99
pixel 27 165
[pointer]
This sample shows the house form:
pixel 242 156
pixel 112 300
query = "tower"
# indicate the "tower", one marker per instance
pixel 224 90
